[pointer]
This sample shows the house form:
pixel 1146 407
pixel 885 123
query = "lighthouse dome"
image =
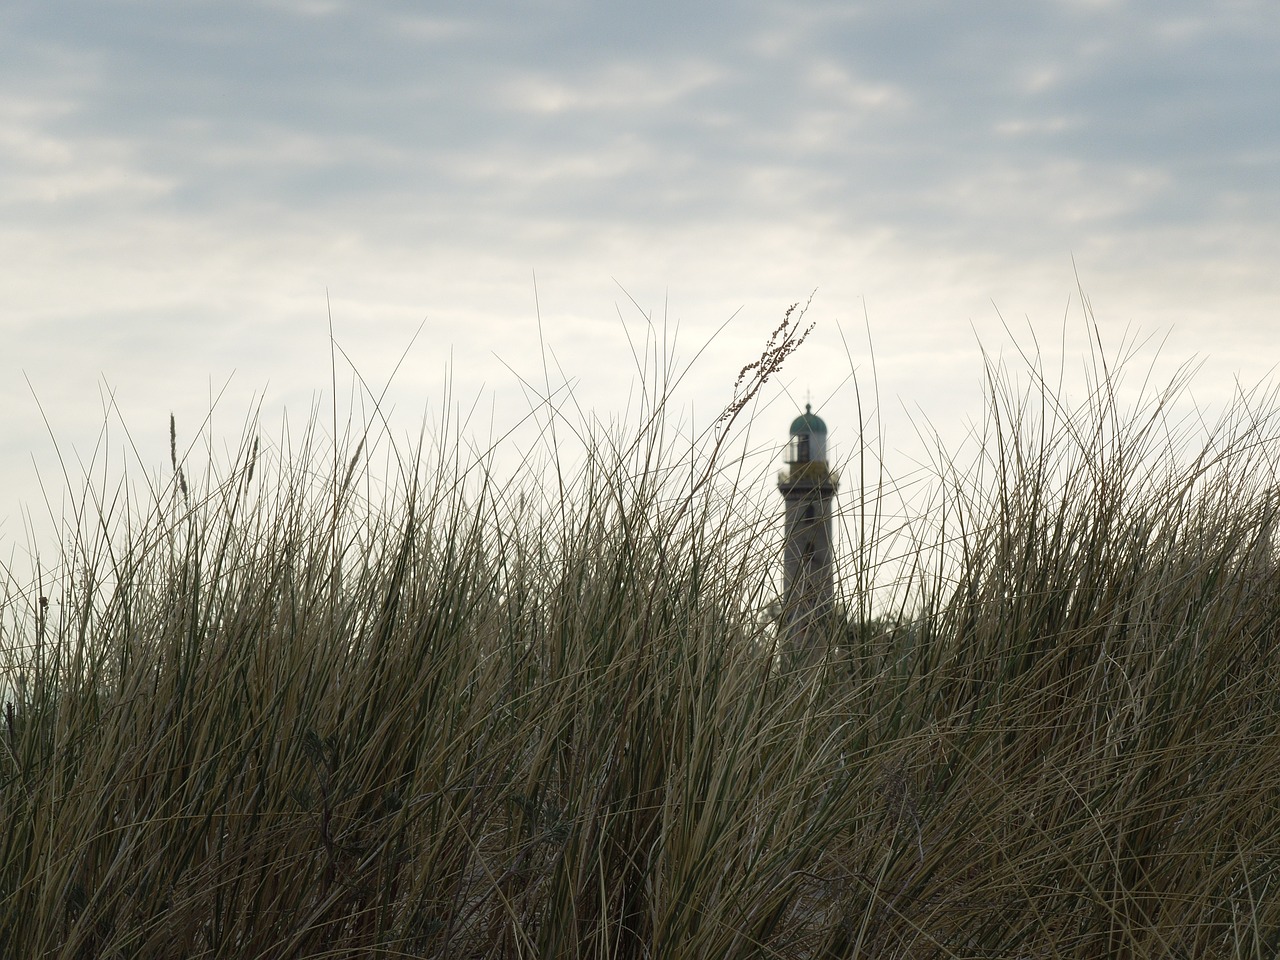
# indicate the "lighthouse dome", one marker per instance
pixel 807 423
pixel 808 438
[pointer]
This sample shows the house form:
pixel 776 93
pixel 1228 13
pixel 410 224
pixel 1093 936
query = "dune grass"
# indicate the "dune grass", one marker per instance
pixel 286 712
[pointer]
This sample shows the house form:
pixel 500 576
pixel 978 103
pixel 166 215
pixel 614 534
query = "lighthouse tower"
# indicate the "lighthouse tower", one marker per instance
pixel 808 486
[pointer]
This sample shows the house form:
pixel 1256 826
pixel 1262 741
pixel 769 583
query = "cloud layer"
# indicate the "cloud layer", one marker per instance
pixel 182 184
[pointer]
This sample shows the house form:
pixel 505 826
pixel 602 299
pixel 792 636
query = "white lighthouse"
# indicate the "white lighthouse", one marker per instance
pixel 808 485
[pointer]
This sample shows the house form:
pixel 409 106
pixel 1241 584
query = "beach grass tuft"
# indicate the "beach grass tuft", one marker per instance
pixel 301 710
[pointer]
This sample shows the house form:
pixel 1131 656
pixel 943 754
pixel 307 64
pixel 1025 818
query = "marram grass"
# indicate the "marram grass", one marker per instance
pixel 276 716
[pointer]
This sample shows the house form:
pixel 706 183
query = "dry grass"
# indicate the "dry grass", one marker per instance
pixel 278 717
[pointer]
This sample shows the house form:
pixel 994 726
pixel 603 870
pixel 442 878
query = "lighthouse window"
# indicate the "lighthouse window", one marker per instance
pixel 802 448
pixel 808 512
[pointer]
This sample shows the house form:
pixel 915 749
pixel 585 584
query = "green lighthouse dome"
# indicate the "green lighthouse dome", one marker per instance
pixel 808 422
pixel 808 443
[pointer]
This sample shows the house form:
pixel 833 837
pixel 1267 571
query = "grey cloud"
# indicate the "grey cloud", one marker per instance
pixel 584 109
pixel 222 134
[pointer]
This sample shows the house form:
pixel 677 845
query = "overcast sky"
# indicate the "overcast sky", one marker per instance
pixel 183 184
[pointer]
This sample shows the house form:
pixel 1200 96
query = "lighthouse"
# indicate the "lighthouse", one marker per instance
pixel 808 485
